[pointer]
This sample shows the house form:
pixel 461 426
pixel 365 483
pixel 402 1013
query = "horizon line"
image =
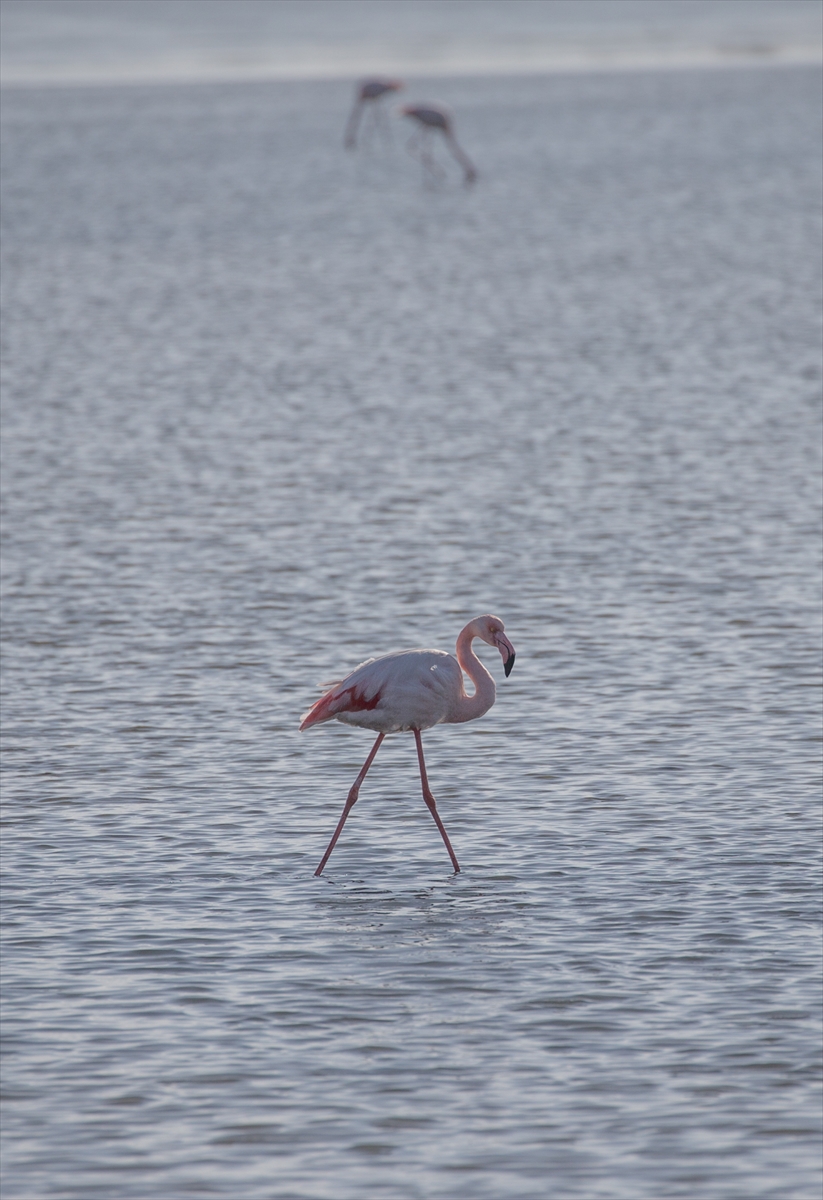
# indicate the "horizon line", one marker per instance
pixel 166 72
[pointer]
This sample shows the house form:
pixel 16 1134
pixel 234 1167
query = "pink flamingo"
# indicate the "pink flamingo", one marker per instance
pixel 413 690
pixel 432 117
pixel 367 92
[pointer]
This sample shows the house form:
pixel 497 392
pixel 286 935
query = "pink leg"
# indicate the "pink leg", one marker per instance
pixel 350 801
pixel 429 798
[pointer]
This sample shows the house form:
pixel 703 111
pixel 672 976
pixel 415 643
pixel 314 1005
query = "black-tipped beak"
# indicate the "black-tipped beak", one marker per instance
pixel 508 664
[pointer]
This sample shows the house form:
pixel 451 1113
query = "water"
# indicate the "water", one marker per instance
pixel 270 409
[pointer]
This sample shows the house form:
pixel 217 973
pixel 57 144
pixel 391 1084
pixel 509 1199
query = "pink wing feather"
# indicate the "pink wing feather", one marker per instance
pixel 339 699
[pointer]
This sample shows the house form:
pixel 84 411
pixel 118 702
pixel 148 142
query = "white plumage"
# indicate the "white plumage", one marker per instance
pixel 409 689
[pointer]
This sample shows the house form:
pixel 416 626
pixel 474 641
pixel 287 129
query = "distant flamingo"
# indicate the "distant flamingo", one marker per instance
pixel 413 690
pixel 368 92
pixel 432 117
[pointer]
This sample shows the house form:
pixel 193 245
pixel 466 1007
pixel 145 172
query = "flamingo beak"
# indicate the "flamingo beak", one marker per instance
pixel 506 653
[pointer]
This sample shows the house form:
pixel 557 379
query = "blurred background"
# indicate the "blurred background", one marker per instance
pixel 270 407
pixel 109 41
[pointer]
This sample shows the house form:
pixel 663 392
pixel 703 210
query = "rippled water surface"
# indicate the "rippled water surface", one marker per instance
pixel 269 410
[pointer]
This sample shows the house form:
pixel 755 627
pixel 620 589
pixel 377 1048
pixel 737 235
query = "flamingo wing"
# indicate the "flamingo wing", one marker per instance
pixel 410 689
pixel 355 693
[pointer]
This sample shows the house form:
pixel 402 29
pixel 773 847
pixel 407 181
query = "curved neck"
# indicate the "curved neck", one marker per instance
pixel 469 707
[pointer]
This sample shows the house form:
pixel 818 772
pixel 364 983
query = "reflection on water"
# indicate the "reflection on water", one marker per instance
pixel 270 410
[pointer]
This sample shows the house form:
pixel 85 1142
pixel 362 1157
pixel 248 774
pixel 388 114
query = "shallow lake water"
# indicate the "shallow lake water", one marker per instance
pixel 271 409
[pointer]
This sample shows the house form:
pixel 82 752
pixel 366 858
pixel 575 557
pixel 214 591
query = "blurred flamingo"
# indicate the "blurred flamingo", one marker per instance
pixel 368 92
pixel 433 117
pixel 412 690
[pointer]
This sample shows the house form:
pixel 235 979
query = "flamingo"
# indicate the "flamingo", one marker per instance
pixel 411 690
pixel 431 117
pixel 367 92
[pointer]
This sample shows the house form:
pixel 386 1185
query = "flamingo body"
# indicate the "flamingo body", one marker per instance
pixel 367 93
pixel 428 114
pixel 412 690
pixel 372 89
pixel 431 117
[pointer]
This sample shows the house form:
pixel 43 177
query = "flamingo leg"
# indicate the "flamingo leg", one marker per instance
pixel 350 138
pixel 429 798
pixel 350 802
pixel 462 158
pixel 383 127
pixel 419 147
pixel 431 168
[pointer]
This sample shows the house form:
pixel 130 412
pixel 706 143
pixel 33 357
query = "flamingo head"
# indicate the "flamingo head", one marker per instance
pixel 490 629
